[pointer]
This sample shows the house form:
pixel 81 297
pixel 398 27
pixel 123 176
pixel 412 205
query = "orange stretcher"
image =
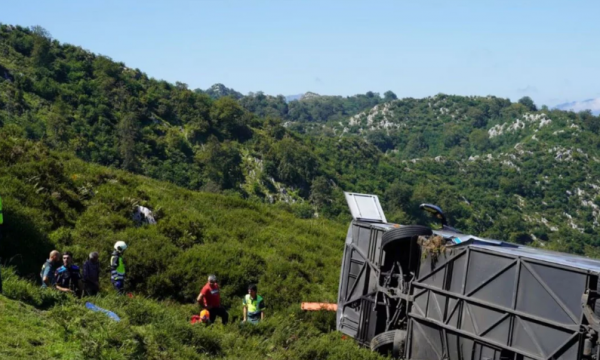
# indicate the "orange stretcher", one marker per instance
pixel 314 306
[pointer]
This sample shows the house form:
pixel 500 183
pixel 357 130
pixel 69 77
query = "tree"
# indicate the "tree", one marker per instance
pixel 417 145
pixel 294 163
pixel 320 192
pixel 480 139
pixel 41 32
pixel 57 124
pixel 380 139
pixel 228 116
pixel 478 117
pixel 222 163
pixel 389 96
pixel 528 103
pixel 590 122
pixel 128 131
pixel 41 55
pixel 452 135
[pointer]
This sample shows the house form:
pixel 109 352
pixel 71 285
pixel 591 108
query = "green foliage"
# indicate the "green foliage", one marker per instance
pixel 69 118
pixel 57 201
pixel 528 103
pixel 311 107
pixel 15 288
pixel 158 330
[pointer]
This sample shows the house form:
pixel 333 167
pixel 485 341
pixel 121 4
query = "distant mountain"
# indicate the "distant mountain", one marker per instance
pixel 589 104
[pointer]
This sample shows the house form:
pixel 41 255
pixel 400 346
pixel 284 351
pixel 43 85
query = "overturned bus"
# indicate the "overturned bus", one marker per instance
pixel 423 294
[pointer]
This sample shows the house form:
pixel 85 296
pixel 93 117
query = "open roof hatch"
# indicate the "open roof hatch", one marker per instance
pixel 365 207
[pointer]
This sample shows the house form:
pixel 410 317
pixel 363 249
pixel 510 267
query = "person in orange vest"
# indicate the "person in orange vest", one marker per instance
pixel 210 299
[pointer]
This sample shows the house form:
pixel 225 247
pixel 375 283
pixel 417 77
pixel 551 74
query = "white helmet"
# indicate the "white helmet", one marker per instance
pixel 120 246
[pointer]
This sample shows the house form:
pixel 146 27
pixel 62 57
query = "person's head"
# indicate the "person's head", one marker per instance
pixel 252 290
pixel 212 279
pixel 67 258
pixel 204 316
pixel 54 256
pixel 120 246
pixel 94 257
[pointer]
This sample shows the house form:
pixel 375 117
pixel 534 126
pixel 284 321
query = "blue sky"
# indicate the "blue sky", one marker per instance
pixel 544 49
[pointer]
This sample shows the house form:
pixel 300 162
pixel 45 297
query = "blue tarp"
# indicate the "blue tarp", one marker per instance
pixel 110 314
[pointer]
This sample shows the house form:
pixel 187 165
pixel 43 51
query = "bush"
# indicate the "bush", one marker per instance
pixel 18 289
pixel 303 210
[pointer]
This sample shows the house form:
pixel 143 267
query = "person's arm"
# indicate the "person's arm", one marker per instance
pixel 200 297
pixel 114 262
pixel 60 288
pixel 45 278
pixel 262 315
pixel 245 313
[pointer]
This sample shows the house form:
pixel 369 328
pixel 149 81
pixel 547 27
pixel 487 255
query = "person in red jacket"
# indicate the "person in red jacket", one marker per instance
pixel 210 298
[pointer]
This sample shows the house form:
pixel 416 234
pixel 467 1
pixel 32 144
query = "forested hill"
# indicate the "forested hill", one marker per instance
pixel 500 169
pixel 306 108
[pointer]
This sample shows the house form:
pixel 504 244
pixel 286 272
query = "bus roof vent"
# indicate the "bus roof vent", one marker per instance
pixel 365 207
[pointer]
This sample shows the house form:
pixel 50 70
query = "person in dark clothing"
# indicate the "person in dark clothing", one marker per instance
pixel 91 275
pixel 68 277
pixel 210 298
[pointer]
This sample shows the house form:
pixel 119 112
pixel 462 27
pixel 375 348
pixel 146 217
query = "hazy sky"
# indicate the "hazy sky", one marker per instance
pixel 547 49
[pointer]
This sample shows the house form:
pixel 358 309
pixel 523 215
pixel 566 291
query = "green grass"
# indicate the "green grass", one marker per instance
pixel 52 200
pixel 157 330
pixel 30 333
pixel 57 201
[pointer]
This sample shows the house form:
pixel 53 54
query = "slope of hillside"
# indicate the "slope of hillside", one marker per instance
pixel 106 113
pixel 66 329
pixel 53 200
pixel 56 201
pixel 499 168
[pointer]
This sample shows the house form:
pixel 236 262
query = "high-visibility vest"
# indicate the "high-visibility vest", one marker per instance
pixel 117 267
pixel 255 306
pixel 1 217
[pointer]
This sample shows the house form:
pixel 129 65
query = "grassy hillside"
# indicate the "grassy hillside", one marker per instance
pixel 84 139
pixel 155 330
pixel 53 200
pixel 500 169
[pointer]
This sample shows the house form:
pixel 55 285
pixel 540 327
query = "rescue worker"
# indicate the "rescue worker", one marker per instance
pixel 117 267
pixel 204 316
pixel 49 269
pixel 253 306
pixel 91 275
pixel 68 276
pixel 210 298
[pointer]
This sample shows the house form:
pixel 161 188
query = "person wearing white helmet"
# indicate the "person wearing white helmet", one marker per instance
pixel 117 267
